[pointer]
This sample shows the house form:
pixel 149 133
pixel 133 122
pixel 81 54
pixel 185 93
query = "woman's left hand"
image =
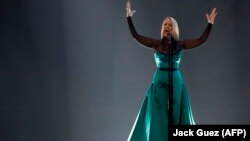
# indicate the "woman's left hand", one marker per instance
pixel 128 8
pixel 211 17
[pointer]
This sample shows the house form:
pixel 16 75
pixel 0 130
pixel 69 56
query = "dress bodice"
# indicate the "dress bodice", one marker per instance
pixel 162 60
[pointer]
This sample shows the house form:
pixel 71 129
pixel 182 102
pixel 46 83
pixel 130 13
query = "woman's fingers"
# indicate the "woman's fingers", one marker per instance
pixel 213 11
pixel 128 5
pixel 132 12
pixel 211 17
pixel 128 8
pixel 207 16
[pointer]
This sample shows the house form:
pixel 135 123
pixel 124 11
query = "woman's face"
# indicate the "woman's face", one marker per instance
pixel 167 27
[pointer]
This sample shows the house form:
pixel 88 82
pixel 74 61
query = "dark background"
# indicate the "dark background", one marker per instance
pixel 70 70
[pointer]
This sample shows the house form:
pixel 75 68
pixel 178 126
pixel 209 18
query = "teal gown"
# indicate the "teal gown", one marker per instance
pixel 151 123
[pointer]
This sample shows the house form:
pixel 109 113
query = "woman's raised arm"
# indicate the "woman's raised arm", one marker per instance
pixel 192 43
pixel 145 41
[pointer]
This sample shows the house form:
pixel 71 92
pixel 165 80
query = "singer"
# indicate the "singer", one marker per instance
pixel 152 121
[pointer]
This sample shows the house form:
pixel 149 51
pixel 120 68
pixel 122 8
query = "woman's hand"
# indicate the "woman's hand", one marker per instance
pixel 128 9
pixel 211 17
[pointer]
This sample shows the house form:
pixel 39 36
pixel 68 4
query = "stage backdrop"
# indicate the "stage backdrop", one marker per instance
pixel 71 71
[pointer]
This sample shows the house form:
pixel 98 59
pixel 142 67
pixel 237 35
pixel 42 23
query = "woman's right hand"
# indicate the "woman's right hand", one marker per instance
pixel 128 9
pixel 211 17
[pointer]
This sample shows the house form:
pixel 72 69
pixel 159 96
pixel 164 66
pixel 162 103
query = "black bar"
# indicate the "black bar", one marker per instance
pixel 211 132
pixel 170 110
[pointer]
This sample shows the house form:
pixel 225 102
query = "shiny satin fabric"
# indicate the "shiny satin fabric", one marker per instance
pixel 151 123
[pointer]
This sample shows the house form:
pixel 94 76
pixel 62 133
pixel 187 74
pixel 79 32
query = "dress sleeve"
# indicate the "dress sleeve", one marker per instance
pixel 192 43
pixel 145 41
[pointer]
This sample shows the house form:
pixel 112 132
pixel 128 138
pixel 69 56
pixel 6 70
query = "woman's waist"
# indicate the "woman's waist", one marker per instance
pixel 168 69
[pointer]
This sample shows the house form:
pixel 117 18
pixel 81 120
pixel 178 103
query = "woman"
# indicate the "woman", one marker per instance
pixel 152 121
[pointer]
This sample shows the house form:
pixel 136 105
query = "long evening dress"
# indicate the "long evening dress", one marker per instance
pixel 151 123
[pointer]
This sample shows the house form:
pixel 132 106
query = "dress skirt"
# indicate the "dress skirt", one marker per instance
pixel 151 123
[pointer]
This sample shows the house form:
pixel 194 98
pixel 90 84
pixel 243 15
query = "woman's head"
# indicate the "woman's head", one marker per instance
pixel 170 26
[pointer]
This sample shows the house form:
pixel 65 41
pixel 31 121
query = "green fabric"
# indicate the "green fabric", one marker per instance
pixel 151 123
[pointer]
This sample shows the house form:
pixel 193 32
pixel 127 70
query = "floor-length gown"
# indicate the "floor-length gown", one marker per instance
pixel 151 123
